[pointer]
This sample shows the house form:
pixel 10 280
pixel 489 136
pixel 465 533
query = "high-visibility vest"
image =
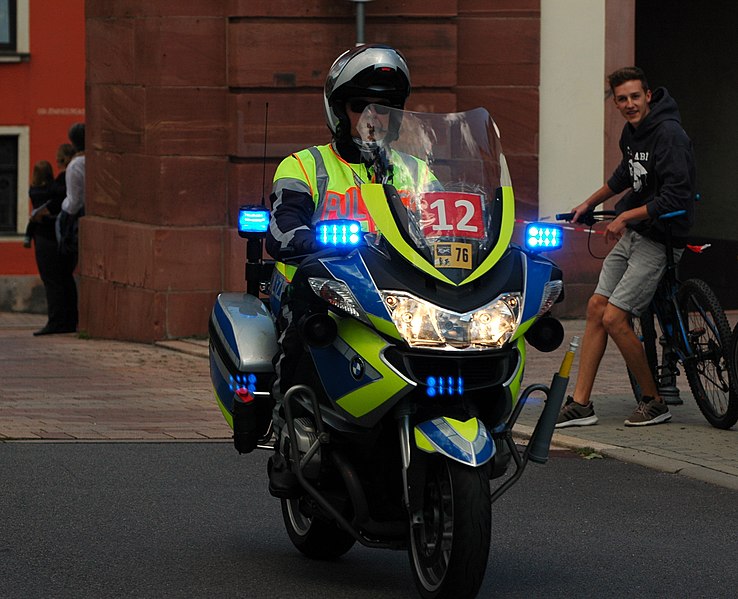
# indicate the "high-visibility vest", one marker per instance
pixel 335 184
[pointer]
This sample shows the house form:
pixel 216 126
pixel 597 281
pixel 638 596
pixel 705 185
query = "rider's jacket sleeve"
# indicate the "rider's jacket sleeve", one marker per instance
pixel 293 205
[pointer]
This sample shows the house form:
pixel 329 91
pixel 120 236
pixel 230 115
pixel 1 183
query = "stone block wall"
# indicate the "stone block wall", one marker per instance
pixel 176 108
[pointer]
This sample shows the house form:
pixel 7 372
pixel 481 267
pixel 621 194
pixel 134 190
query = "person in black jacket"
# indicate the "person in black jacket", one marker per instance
pixel 56 270
pixel 658 167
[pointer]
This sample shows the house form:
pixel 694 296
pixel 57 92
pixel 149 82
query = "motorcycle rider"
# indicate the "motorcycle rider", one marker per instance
pixel 323 182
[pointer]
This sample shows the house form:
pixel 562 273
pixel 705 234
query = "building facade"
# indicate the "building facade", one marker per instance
pixel 191 105
pixel 42 92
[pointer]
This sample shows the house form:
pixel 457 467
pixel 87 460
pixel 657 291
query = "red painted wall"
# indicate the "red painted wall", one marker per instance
pixel 46 94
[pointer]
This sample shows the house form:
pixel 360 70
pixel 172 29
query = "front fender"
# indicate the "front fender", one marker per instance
pixel 466 442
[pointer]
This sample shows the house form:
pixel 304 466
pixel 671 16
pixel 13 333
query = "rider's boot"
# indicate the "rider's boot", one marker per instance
pixel 283 483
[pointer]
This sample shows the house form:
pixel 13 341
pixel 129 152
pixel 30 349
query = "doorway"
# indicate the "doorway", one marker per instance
pixel 689 47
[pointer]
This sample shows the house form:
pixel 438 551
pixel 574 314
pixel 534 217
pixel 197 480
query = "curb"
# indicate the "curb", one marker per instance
pixel 641 458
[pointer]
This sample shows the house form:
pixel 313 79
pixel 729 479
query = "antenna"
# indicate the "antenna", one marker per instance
pixel 264 160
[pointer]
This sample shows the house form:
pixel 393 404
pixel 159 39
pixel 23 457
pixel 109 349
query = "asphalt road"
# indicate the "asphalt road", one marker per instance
pixel 195 520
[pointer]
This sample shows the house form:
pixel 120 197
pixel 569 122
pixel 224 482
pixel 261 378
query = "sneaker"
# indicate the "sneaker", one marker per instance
pixel 649 411
pixel 574 414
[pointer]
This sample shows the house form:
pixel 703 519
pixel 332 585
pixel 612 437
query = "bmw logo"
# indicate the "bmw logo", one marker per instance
pixel 357 368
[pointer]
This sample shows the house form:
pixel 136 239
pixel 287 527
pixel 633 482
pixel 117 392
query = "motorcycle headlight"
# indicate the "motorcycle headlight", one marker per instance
pixel 339 295
pixel 422 324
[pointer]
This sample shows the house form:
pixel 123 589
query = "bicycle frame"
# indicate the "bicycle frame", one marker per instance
pixel 666 295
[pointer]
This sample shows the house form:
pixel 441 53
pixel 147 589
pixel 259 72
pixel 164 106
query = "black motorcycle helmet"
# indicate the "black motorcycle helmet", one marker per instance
pixel 368 71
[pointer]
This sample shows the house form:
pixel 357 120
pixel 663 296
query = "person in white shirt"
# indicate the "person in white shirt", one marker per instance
pixel 72 208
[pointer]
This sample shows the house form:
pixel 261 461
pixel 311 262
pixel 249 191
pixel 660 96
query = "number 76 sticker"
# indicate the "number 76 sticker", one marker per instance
pixel 452 255
pixel 452 214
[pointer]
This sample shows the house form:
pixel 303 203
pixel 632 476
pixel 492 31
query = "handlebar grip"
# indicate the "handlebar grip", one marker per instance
pixel 588 218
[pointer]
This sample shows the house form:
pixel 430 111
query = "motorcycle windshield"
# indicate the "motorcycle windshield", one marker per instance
pixel 454 204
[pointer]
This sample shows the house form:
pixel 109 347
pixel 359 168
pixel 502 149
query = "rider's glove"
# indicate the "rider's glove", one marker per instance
pixel 303 242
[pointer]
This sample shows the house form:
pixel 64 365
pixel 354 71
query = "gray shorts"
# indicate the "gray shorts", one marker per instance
pixel 632 271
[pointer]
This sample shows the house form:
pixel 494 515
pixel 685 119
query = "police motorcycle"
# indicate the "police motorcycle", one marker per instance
pixel 414 321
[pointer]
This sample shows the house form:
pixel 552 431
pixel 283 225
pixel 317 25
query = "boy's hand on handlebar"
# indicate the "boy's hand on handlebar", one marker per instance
pixel 615 228
pixel 583 208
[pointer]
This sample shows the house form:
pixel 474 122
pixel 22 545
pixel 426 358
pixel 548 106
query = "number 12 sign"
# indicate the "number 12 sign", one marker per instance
pixel 452 214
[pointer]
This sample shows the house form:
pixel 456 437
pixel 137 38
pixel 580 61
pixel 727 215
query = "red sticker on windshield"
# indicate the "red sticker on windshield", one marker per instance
pixel 452 214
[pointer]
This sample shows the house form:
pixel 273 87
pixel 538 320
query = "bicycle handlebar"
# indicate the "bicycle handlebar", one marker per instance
pixel 588 218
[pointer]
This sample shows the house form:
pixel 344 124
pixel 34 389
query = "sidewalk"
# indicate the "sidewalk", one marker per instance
pixel 63 388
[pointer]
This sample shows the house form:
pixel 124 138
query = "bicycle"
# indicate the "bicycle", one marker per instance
pixel 694 332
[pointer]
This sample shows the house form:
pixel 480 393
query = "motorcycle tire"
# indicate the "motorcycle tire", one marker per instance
pixel 708 369
pixel 449 549
pixel 314 537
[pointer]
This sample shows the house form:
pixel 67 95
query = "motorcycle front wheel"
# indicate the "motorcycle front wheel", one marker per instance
pixel 315 537
pixel 449 548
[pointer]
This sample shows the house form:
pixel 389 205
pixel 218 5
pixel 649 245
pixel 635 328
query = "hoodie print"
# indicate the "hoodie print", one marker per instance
pixel 638 171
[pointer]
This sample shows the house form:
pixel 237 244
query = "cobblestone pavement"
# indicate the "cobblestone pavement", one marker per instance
pixel 62 387
pixel 687 444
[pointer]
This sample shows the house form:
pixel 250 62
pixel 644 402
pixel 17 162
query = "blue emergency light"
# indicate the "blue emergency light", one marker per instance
pixel 543 237
pixel 253 221
pixel 338 233
pixel 444 385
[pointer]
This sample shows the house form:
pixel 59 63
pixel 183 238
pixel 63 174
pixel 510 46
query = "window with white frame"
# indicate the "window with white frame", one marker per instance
pixel 14 31
pixel 7 25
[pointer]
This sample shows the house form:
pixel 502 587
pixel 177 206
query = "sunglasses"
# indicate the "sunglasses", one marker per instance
pixel 358 106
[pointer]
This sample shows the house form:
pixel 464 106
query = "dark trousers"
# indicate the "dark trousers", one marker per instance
pixel 57 275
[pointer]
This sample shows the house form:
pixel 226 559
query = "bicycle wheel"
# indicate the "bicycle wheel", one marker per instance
pixel 644 329
pixel 707 368
pixel 734 358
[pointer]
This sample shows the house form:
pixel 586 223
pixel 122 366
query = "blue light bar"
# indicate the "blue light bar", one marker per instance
pixel 444 385
pixel 339 233
pixel 542 237
pixel 242 381
pixel 253 220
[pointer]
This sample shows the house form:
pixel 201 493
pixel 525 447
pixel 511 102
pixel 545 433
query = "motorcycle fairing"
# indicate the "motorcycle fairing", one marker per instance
pixel 364 396
pixel 466 442
pixel 379 210
pixel 537 272
pixel 282 276
pixel 513 385
pixel 352 271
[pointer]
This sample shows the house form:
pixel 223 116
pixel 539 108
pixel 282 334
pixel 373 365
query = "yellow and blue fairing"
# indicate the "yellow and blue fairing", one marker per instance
pixel 411 223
